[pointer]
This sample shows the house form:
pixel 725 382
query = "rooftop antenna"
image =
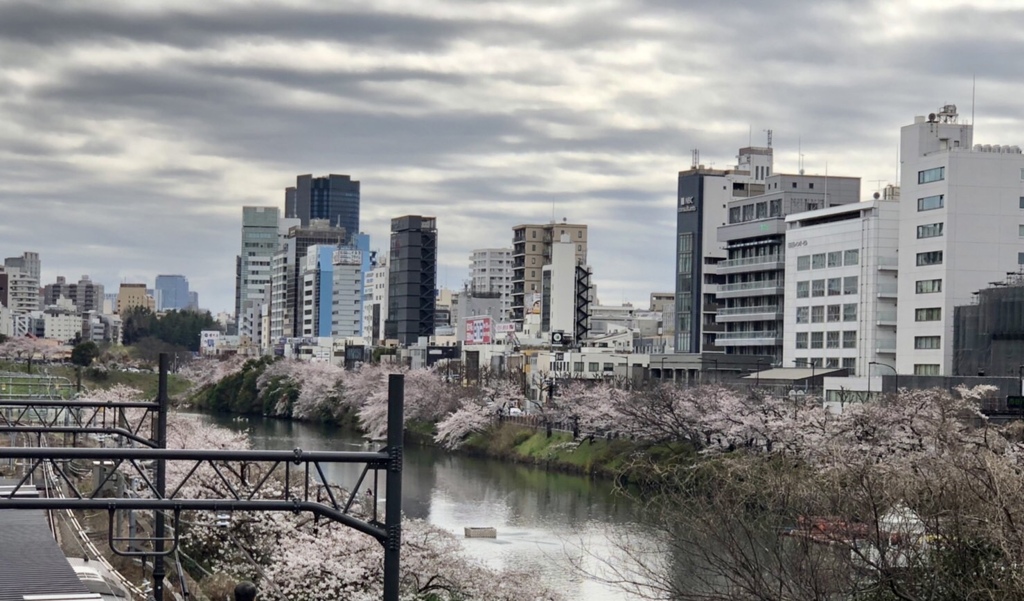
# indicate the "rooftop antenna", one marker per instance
pixel 974 84
pixel 750 135
pixel 800 156
pixel 826 183
pixel 769 137
pixel 695 161
pixel 878 182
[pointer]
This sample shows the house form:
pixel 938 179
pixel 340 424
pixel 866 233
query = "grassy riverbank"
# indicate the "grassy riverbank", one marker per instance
pixel 93 379
pixel 609 458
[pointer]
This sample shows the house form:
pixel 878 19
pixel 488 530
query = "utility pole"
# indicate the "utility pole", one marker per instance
pixel 393 483
pixel 159 571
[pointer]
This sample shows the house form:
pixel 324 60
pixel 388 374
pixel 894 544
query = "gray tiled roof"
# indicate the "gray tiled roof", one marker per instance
pixel 31 562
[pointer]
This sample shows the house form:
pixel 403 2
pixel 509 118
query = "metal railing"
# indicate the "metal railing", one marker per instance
pixel 749 310
pixel 750 261
pixel 752 334
pixel 763 284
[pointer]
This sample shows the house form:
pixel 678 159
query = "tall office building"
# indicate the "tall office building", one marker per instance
pixel 287 267
pixel 490 272
pixel 28 263
pixel 751 300
pixel 131 296
pixel 347 293
pixel 961 228
pixel 412 278
pixel 333 198
pixel 375 300
pixel 19 291
pixel 85 294
pixel 172 293
pixel 531 251
pixel 840 286
pixel 260 233
pixel 317 283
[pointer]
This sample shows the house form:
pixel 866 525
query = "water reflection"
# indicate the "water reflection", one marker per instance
pixel 543 518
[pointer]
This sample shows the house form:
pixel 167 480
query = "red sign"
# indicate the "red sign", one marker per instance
pixel 479 330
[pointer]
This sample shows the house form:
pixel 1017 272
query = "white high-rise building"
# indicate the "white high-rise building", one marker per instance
pixel 961 227
pixel 375 300
pixel 347 297
pixel 19 291
pixel 840 286
pixel 490 271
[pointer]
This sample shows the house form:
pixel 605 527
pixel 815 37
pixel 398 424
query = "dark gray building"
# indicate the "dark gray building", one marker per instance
pixel 334 198
pixel 988 337
pixel 412 279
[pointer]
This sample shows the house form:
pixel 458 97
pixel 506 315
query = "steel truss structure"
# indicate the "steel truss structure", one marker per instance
pixel 246 475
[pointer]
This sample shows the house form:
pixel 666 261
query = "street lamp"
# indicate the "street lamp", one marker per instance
pixel 896 373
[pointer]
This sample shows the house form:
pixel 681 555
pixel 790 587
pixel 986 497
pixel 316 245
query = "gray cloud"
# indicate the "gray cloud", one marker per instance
pixel 129 139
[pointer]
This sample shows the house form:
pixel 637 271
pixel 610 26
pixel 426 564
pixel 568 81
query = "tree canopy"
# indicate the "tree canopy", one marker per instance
pixel 177 328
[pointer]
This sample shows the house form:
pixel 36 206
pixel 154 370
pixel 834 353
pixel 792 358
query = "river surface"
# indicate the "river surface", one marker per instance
pixel 546 521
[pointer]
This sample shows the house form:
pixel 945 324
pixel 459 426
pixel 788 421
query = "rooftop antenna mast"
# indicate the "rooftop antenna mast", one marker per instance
pixel 800 156
pixel 695 160
pixel 769 137
pixel 974 85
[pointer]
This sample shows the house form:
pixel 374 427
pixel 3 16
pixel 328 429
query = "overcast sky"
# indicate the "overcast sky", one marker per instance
pixel 131 136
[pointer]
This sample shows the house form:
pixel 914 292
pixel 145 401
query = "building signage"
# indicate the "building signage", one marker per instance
pixel 504 328
pixel 687 204
pixel 479 330
pixel 797 243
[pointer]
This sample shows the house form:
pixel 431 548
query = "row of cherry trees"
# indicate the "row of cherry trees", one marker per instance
pixel 294 558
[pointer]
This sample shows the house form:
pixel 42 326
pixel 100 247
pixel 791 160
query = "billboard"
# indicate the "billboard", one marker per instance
pixel 504 328
pixel 479 330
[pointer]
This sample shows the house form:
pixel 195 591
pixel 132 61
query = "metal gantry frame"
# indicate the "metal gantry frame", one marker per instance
pixel 244 474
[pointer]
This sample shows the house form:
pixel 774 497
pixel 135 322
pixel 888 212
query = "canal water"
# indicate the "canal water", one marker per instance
pixel 546 522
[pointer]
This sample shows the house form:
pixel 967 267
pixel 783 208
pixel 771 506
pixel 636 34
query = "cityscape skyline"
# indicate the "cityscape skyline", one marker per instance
pixel 517 115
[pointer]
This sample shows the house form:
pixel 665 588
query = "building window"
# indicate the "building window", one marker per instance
pixel 794 183
pixel 850 339
pixel 832 340
pixel 850 312
pixel 927 342
pixel 1022 202
pixel 748 212
pixel 850 285
pixel 801 314
pixel 1020 231
pixel 818 288
pixel 579 234
pixel 810 185
pixel 934 230
pixel 852 257
pixel 803 262
pixel 818 261
pixel 849 363
pixel 929 258
pixel 835 259
pixel 817 339
pixel 832 363
pixel 834 312
pixel 577 366
pixel 762 210
pixel 929 203
pixel 818 314
pixel 734 215
pixel 775 208
pixel 926 369
pixel 928 286
pixel 1020 258
pixel 835 286
pixel 801 340
pixel 930 314
pixel 928 176
pixel 803 289
pixel 592 367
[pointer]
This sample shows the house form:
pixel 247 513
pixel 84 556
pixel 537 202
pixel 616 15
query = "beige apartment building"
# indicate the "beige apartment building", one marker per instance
pixel 130 296
pixel 531 251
